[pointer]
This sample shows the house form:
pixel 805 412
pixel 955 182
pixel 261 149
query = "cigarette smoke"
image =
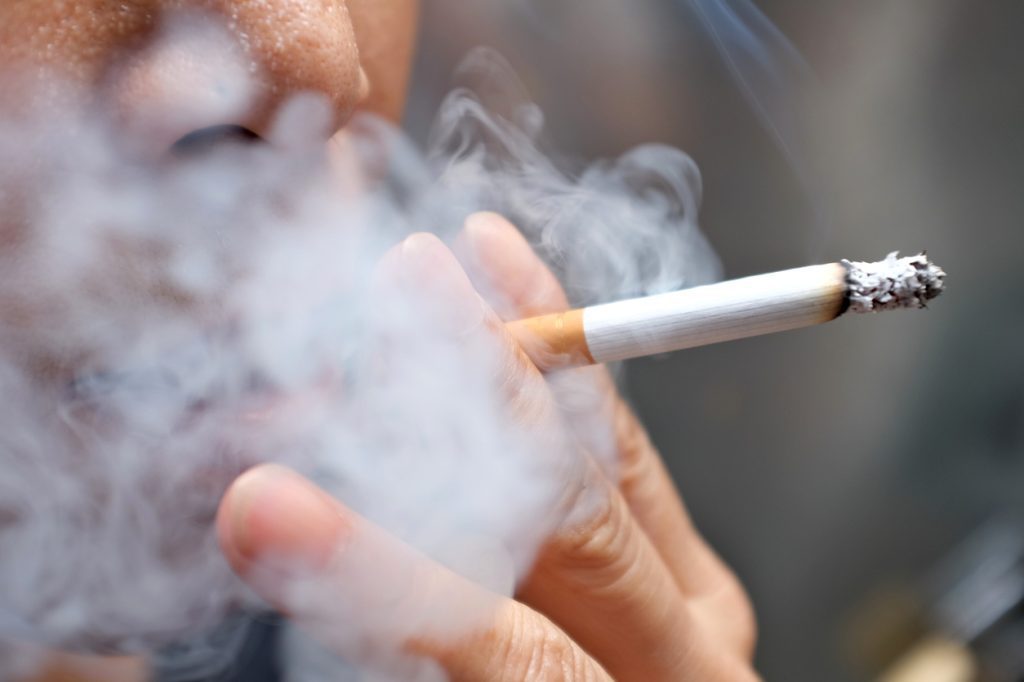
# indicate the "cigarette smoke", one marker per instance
pixel 774 79
pixel 166 324
pixel 769 71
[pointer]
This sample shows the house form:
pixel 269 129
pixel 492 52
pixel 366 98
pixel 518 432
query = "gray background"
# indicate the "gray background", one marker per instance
pixel 834 466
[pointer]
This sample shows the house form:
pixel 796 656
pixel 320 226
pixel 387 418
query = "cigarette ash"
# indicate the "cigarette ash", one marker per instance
pixel 893 283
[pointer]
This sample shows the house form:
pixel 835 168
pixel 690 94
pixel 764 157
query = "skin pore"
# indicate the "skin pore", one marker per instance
pixel 356 52
pixel 629 592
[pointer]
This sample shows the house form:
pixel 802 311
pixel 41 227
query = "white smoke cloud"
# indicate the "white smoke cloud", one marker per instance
pixel 165 325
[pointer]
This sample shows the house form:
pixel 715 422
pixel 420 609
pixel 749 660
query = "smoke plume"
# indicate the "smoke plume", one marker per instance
pixel 167 323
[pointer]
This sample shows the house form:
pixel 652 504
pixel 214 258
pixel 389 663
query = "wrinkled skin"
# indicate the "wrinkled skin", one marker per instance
pixel 629 592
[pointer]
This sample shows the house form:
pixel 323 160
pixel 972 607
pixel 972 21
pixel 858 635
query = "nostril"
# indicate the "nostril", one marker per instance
pixel 201 141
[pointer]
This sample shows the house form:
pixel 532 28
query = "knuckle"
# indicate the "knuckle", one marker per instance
pixel 537 650
pixel 746 626
pixel 517 380
pixel 634 446
pixel 526 400
pixel 731 615
pixel 742 622
pixel 602 551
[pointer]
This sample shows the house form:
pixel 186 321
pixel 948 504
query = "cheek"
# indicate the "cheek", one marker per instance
pixel 386 34
pixel 70 39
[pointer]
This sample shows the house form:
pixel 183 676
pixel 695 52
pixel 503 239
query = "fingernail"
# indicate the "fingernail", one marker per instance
pixel 276 515
pixel 489 225
pixel 497 246
pixel 433 273
pixel 479 240
pixel 485 224
pixel 426 258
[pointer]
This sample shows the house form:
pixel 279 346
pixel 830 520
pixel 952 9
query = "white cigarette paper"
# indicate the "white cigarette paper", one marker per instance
pixel 741 308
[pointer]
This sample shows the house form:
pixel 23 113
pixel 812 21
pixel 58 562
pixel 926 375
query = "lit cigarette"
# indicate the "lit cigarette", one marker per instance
pixel 737 309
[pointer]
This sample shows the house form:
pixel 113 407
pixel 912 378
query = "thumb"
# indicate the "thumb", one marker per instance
pixel 372 599
pixel 274 525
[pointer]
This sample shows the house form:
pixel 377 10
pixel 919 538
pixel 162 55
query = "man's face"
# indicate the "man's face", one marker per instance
pixel 116 255
pixel 165 70
pixel 356 52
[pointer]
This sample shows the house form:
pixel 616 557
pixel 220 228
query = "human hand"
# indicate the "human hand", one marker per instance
pixel 625 588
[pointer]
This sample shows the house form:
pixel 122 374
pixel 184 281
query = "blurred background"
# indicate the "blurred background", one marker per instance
pixel 863 478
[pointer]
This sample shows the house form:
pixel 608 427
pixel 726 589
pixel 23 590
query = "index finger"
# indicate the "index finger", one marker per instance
pixel 502 264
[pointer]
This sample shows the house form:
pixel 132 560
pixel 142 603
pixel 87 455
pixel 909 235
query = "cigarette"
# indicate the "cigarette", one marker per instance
pixel 736 309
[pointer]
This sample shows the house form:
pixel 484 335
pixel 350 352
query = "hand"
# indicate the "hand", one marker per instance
pixel 625 588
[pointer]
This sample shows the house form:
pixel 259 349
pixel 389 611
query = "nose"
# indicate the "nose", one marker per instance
pixel 236 62
pixel 297 46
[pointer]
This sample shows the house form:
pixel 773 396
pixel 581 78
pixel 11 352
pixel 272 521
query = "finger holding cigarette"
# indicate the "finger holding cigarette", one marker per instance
pixel 736 309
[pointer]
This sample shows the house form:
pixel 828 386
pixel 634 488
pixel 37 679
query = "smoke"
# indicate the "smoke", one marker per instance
pixel 768 69
pixel 774 79
pixel 167 323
